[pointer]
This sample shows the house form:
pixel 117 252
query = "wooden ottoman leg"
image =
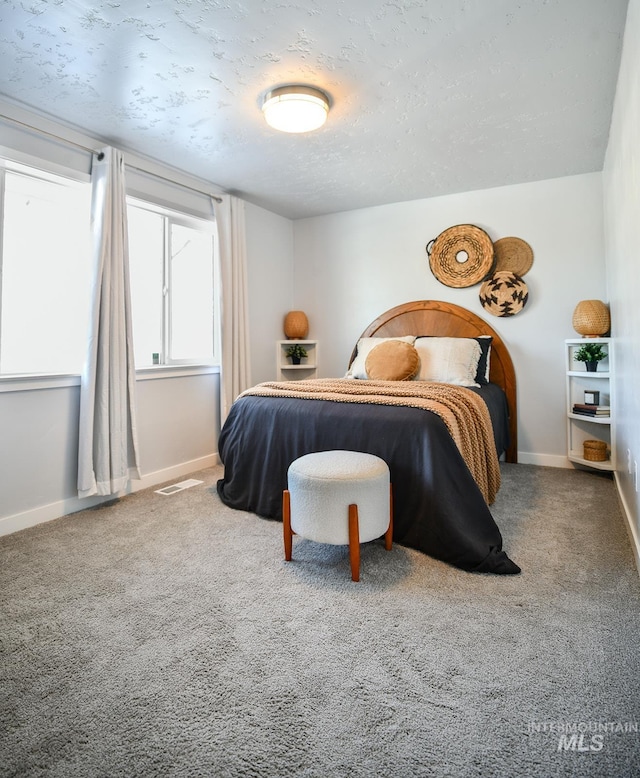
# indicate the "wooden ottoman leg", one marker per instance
pixel 388 535
pixel 354 543
pixel 286 524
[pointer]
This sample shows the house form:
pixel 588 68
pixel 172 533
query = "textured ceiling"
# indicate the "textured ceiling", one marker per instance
pixel 429 97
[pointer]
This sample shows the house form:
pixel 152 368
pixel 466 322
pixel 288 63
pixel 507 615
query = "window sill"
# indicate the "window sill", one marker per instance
pixel 153 372
pixel 30 382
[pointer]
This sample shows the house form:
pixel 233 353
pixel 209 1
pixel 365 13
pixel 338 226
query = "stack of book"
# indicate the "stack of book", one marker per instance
pixel 583 409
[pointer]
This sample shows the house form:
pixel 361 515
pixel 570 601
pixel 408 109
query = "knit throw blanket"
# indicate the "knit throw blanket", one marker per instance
pixel 464 413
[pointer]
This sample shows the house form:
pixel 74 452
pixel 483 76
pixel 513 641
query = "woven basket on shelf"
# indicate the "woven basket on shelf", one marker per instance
pixel 591 319
pixel 296 325
pixel 461 256
pixel 595 450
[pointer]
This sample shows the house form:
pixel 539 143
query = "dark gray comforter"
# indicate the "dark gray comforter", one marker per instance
pixel 438 508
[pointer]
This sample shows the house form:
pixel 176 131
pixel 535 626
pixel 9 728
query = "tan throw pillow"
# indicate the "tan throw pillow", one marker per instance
pixel 357 369
pixel 392 360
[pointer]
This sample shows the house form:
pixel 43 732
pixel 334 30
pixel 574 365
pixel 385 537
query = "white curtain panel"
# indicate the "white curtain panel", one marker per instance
pixel 108 448
pixel 235 370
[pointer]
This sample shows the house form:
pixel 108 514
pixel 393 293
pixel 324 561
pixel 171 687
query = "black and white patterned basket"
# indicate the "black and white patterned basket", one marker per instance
pixel 504 294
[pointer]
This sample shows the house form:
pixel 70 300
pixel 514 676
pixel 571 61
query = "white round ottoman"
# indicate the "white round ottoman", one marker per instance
pixel 338 497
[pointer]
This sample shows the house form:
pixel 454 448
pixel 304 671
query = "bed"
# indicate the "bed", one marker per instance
pixel 439 507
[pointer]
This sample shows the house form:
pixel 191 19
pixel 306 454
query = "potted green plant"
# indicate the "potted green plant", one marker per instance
pixel 296 353
pixel 590 354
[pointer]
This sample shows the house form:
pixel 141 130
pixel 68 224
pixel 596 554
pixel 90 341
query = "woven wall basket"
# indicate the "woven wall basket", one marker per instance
pixel 296 325
pixel 595 450
pixel 504 294
pixel 513 254
pixel 461 256
pixel 591 318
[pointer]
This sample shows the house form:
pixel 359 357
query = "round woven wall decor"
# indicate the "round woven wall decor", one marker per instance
pixel 504 294
pixel 513 254
pixel 461 256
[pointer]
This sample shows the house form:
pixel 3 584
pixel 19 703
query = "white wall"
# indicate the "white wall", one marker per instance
pixel 36 456
pixel 352 266
pixel 622 234
pixel 270 271
pixel 178 422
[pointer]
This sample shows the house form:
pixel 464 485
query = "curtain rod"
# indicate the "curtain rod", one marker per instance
pixel 93 151
pixel 217 198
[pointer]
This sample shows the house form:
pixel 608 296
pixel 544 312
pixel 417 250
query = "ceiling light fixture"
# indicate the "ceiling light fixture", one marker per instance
pixel 295 108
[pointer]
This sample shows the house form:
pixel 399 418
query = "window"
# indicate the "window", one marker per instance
pixel 46 274
pixel 45 271
pixel 172 271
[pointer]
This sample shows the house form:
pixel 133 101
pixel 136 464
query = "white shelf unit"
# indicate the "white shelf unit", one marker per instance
pixel 579 380
pixel 308 368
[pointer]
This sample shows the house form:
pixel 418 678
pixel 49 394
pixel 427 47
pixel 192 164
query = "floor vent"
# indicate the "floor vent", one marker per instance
pixel 179 487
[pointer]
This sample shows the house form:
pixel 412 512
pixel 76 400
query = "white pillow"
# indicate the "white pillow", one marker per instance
pixel 357 368
pixel 448 360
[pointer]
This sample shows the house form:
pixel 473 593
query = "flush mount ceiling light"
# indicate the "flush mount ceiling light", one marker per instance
pixel 295 108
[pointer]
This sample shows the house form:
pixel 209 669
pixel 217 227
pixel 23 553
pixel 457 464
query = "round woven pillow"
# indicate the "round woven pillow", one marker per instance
pixel 461 256
pixel 392 360
pixel 504 294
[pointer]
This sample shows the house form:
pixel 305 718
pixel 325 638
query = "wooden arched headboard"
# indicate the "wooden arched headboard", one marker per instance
pixel 437 318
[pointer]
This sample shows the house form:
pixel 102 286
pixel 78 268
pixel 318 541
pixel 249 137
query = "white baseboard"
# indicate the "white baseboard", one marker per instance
pixel 544 460
pixel 628 517
pixel 60 508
